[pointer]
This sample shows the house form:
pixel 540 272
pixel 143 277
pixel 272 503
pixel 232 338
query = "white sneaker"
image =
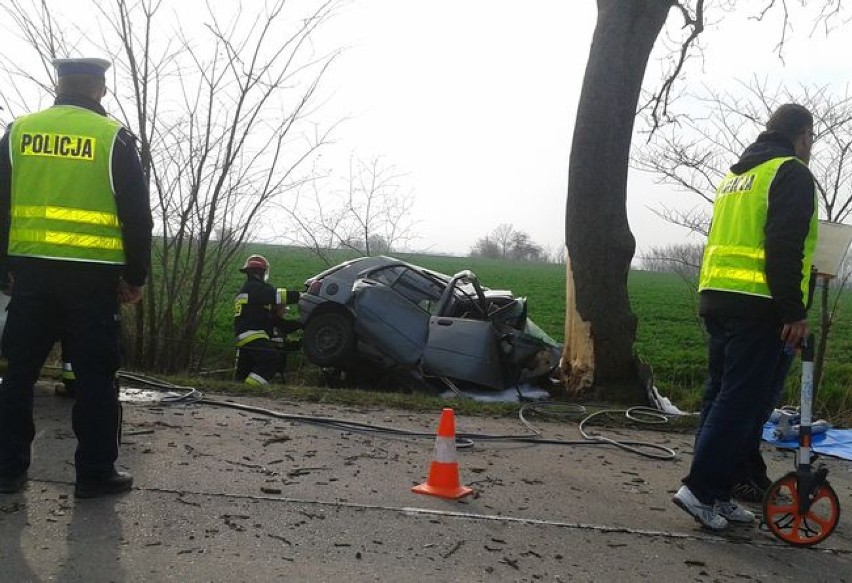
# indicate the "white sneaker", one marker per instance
pixel 733 512
pixel 706 514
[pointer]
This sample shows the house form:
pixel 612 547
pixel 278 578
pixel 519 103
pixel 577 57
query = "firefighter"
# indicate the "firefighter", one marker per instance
pixel 75 234
pixel 258 310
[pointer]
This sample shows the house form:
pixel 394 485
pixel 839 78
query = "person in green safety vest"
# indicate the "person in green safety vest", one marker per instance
pixel 754 286
pixel 75 240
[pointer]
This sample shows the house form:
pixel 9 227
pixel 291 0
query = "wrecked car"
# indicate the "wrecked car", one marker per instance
pixel 445 330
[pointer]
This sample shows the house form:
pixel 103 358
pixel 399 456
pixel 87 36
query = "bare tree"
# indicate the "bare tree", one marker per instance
pixel 523 248
pixel 486 247
pixel 505 242
pixel 558 254
pixel 600 328
pixel 316 229
pixel 682 258
pixel 370 215
pixel 502 235
pixel 223 143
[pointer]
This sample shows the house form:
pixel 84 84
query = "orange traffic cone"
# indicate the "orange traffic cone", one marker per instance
pixel 443 478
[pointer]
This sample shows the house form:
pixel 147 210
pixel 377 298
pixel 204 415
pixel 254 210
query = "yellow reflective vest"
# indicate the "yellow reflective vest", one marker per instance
pixel 734 257
pixel 63 202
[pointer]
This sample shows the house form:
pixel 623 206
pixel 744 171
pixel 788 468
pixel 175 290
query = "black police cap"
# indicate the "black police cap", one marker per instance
pixel 91 66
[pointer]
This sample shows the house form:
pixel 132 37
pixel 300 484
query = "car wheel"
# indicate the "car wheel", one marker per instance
pixel 329 339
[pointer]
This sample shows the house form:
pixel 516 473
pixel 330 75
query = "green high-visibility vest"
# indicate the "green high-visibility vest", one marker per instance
pixel 63 202
pixel 734 258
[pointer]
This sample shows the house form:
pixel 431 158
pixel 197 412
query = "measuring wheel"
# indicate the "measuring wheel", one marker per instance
pixel 801 515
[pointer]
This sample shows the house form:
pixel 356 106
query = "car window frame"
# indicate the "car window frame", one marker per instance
pixel 411 283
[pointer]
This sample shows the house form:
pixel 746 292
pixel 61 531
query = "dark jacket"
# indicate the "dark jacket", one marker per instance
pixel 791 205
pixel 257 311
pixel 131 198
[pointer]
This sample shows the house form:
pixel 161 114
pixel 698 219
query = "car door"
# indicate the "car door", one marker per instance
pixel 392 312
pixel 464 349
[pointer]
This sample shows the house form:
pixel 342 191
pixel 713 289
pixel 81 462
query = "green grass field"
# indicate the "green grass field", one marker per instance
pixel 669 337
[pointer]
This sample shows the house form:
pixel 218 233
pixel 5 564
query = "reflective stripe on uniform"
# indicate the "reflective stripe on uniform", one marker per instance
pixel 736 267
pixel 66 238
pixel 250 336
pixel 58 213
pixel 737 251
pixel 281 295
pixel 735 274
pixel 255 379
pixel 240 301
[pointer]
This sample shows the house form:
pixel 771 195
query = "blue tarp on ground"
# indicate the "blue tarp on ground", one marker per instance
pixel 834 442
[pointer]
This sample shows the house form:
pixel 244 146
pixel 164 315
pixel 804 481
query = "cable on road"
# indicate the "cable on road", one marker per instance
pixel 640 415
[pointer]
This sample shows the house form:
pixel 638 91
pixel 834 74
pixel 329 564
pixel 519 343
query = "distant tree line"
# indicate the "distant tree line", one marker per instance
pixel 506 242
pixel 681 258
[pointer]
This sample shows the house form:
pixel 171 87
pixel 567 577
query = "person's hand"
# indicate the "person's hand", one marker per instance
pixel 128 294
pixel 793 333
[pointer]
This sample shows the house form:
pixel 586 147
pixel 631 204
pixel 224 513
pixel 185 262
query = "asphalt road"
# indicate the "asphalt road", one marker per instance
pixel 227 495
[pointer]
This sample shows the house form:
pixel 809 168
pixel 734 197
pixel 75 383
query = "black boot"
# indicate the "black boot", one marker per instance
pixel 117 483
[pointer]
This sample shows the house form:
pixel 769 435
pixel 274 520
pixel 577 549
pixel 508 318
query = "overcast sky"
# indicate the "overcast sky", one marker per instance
pixel 475 100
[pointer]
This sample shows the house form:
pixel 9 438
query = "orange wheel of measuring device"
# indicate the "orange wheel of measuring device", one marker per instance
pixel 781 512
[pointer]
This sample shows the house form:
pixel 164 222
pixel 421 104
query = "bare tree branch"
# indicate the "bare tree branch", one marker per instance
pixel 370 215
pixel 694 153
pixel 694 22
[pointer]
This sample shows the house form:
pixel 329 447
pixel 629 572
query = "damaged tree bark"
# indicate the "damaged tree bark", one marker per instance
pixel 600 327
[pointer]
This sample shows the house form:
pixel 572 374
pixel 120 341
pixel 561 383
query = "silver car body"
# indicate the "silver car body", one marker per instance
pixel 449 328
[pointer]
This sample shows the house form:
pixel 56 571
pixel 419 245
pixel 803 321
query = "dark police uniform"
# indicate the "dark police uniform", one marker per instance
pixel 254 320
pixel 75 219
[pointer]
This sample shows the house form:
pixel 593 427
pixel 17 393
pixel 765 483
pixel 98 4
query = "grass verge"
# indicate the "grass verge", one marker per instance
pixel 422 401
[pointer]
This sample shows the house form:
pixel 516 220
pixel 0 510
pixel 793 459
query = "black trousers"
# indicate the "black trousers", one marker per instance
pixel 260 357
pixel 79 304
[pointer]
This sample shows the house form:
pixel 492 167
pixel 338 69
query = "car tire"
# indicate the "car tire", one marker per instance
pixel 329 339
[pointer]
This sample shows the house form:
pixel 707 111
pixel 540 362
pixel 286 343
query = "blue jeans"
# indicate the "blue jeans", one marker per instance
pixel 752 467
pixel 744 357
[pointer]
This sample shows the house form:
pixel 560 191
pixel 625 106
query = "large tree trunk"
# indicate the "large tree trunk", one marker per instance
pixel 599 326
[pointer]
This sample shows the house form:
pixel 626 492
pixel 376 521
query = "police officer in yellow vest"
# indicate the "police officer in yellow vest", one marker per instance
pixel 75 239
pixel 754 286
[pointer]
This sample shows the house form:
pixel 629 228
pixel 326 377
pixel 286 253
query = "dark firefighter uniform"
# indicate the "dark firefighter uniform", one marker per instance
pixel 75 221
pixel 257 312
